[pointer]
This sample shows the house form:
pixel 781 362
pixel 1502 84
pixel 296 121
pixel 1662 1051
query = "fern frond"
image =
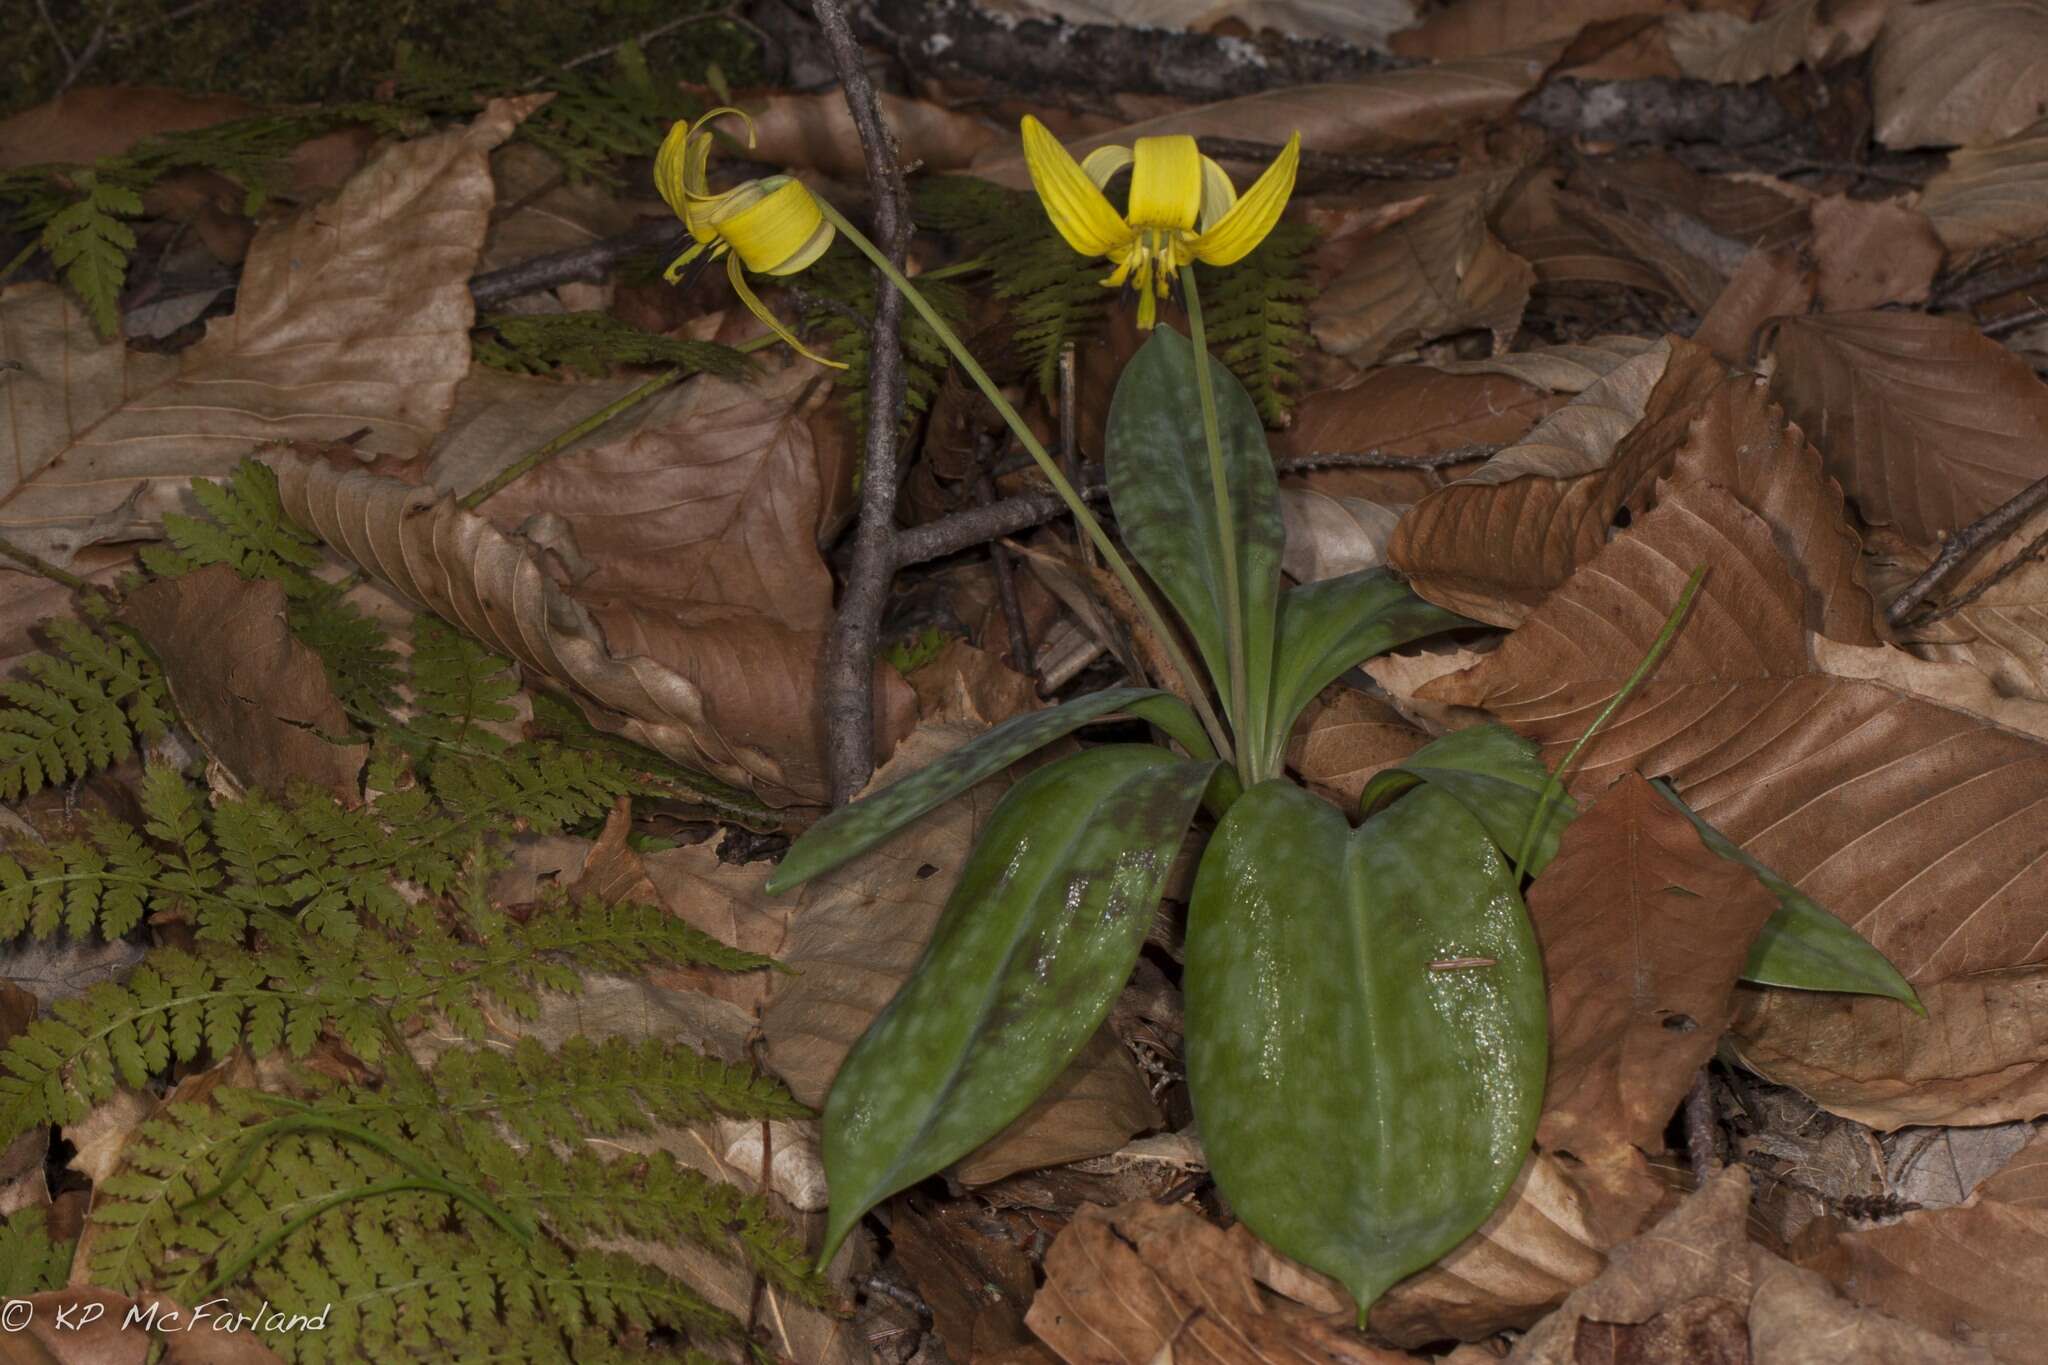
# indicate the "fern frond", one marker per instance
pixel 560 723
pixel 82 707
pixel 245 528
pixel 583 1089
pixel 31 1260
pixel 1055 295
pixel 1257 321
pixel 90 245
pixel 656 1198
pixel 839 293
pixel 457 687
pixel 593 343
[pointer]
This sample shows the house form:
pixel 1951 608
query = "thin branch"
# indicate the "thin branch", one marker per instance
pixel 592 262
pixel 850 656
pixel 1965 543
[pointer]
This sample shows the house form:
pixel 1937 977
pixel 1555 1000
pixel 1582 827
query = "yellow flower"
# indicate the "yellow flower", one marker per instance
pixel 771 225
pixel 1182 206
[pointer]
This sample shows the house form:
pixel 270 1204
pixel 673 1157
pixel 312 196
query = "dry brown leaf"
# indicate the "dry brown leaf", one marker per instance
pixel 1708 1330
pixel 815 132
pixel 1699 1251
pixel 1415 410
pixel 1387 112
pixel 1927 423
pixel 1328 536
pixel 254 696
pixel 1435 272
pixel 1542 1243
pixel 1991 195
pixel 1910 820
pixel 1539 224
pixel 1644 931
pixel 1340 743
pixel 711 498
pixel 1570 367
pixel 1970 1272
pixel 1716 218
pixel 88 122
pixel 2002 631
pixel 354 314
pixel 499 418
pixel 540 212
pixel 967 684
pixel 1717 45
pixel 1960 72
pixel 1796 1319
pixel 1469 28
pixel 1768 284
pixel 1142 1283
pixel 1980 1055
pixel 977 1285
pixel 846 972
pixel 1872 252
pixel 1490 545
pixel 733 694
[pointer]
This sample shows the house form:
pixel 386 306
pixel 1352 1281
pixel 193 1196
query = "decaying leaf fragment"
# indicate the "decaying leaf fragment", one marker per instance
pixel 255 697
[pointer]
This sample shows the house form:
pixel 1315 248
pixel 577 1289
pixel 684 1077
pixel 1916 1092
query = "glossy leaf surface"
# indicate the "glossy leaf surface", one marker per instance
pixel 1036 940
pixel 1158 465
pixel 1362 1110
pixel 1495 774
pixel 1802 946
pixel 854 829
pixel 1335 624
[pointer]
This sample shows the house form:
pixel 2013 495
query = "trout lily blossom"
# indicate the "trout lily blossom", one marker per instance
pixel 1183 207
pixel 772 225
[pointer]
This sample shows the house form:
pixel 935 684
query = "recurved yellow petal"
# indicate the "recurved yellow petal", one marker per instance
pixel 669 166
pixel 1253 215
pixel 760 310
pixel 777 234
pixel 1218 194
pixel 1102 164
pixel 1071 199
pixel 1166 182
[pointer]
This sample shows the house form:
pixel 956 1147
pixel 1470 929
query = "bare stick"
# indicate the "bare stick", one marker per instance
pixel 1699 1127
pixel 1965 543
pixel 850 657
pixel 591 262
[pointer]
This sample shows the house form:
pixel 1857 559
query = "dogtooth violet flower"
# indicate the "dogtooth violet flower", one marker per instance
pixel 772 225
pixel 1182 207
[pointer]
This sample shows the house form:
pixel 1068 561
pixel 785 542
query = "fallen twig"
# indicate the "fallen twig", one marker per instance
pixel 1965 543
pixel 850 656
pixel 591 262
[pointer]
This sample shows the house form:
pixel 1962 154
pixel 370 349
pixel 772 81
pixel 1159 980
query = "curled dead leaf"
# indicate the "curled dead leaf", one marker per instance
pixel 728 693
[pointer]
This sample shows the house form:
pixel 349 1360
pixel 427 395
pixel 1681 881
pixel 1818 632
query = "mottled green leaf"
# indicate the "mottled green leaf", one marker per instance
pixel 1366 1028
pixel 1335 624
pixel 854 829
pixel 1495 774
pixel 1158 464
pixel 1037 938
pixel 1802 946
